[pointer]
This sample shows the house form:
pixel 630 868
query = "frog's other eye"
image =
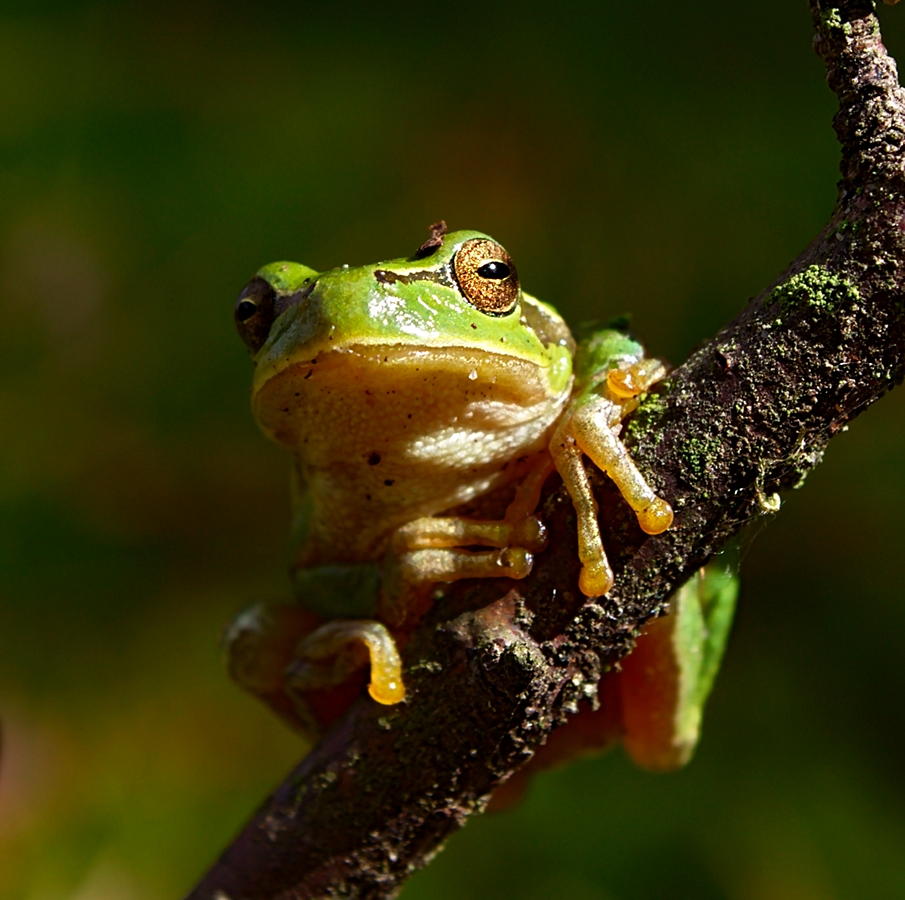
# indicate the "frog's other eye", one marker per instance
pixel 254 313
pixel 487 277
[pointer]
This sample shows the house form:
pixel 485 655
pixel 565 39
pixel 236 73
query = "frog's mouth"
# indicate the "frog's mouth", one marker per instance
pixel 400 368
pixel 416 357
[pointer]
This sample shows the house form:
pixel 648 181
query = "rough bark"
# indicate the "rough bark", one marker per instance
pixel 496 667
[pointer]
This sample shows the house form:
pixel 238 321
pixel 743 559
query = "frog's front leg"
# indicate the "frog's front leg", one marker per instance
pixel 432 549
pixel 591 427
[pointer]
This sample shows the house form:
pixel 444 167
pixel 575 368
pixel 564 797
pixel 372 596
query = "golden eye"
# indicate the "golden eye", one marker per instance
pixel 487 277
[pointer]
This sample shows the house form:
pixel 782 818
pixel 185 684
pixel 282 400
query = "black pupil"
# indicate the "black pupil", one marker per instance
pixel 494 270
pixel 246 309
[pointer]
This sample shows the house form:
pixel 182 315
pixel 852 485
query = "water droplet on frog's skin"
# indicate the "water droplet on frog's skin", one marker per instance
pixel 473 375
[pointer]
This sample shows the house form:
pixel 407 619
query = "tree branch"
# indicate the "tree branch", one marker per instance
pixel 496 667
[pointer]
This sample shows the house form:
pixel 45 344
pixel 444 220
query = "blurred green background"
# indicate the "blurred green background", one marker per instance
pixel 663 158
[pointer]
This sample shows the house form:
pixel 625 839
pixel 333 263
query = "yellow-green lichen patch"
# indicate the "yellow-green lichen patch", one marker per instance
pixel 651 409
pixel 832 21
pixel 699 453
pixel 816 287
pixel 848 228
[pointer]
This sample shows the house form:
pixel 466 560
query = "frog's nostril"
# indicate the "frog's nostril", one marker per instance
pixel 254 313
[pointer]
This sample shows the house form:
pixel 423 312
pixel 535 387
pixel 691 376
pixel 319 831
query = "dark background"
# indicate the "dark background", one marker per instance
pixel 663 158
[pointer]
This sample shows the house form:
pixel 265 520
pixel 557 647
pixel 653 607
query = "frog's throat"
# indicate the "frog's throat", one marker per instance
pixel 555 376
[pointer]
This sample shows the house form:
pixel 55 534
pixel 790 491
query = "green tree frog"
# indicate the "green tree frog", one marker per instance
pixel 404 390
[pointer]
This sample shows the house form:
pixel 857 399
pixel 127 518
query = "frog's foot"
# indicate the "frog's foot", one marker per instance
pixel 332 653
pixel 592 431
pixel 627 382
pixel 592 428
pixel 408 579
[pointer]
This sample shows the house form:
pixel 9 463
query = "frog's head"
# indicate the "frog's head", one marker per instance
pixel 458 290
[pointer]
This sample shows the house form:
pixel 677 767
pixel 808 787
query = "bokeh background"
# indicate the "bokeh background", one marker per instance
pixel 663 158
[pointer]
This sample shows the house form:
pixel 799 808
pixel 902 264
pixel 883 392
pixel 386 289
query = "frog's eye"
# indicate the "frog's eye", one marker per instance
pixel 254 313
pixel 487 277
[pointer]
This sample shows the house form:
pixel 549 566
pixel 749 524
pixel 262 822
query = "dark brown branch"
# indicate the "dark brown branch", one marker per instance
pixel 495 668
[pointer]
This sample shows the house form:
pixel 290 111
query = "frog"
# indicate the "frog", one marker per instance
pixel 406 390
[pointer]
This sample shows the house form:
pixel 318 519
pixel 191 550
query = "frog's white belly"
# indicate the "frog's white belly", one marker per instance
pixel 380 440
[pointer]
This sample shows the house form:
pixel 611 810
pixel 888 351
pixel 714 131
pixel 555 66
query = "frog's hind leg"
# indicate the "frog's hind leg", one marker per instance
pixel 259 645
pixel 429 550
pixel 330 654
pixel 306 670
pixel 666 680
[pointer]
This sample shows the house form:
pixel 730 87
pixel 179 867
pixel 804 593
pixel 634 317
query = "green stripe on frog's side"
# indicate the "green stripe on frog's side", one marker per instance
pixel 718 593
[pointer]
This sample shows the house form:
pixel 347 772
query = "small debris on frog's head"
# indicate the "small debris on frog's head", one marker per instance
pixel 438 230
